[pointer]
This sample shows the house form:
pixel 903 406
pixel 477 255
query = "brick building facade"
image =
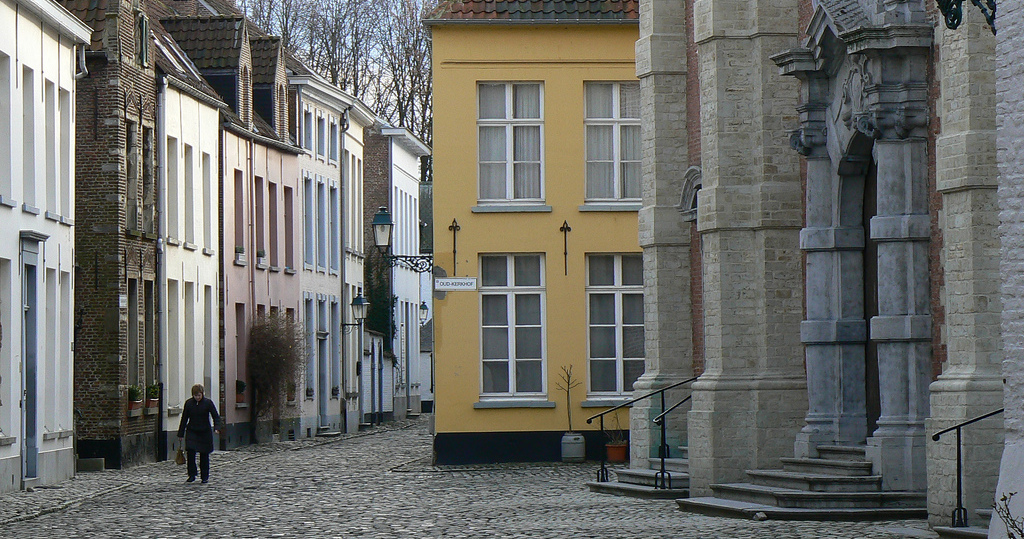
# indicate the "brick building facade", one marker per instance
pixel 116 191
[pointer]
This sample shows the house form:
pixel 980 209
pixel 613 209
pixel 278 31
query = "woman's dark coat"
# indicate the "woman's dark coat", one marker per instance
pixel 195 425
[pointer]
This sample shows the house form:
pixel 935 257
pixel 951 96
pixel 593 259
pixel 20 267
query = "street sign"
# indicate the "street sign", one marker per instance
pixel 452 284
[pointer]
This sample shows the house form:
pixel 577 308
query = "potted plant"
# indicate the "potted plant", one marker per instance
pixel 239 254
pixel 152 396
pixel 616 448
pixel 574 447
pixel 239 390
pixel 134 397
pixel 261 257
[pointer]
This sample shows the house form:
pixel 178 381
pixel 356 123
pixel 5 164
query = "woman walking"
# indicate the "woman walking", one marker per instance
pixel 195 427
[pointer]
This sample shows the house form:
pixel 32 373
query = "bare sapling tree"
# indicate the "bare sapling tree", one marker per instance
pixel 567 383
pixel 273 363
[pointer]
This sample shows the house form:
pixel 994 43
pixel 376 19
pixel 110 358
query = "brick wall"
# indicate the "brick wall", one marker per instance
pixel 116 91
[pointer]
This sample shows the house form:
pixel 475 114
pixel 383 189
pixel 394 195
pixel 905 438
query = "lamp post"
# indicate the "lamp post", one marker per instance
pixel 359 308
pixel 382 230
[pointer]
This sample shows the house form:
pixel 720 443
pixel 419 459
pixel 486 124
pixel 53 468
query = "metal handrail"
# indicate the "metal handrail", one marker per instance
pixel 640 398
pixel 960 513
pixel 661 417
pixel 662 479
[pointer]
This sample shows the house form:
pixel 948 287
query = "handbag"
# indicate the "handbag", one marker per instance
pixel 180 457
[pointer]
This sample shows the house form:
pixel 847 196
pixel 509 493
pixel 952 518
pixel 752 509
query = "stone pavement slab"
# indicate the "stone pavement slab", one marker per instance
pixel 375 484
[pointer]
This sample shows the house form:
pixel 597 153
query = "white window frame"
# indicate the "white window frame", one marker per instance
pixel 617 122
pixel 618 290
pixel 510 123
pixel 510 291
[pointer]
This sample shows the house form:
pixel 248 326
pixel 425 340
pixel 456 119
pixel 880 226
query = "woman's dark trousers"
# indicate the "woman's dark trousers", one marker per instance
pixel 204 464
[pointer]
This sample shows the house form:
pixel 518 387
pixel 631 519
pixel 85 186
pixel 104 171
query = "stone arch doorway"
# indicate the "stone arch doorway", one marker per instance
pixel 865 240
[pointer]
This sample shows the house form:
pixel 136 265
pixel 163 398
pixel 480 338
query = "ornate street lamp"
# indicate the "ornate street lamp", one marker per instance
pixel 953 12
pixel 424 312
pixel 382 227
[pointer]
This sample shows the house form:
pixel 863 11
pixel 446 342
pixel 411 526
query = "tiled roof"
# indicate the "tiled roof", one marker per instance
pixel 211 43
pixel 537 10
pixel 93 13
pixel 264 59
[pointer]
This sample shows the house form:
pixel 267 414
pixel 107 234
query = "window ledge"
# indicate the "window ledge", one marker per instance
pixel 67 221
pixel 50 436
pixel 208 252
pixel 174 410
pixel 240 262
pixel 150 235
pixel 612 206
pixel 52 216
pixel 275 269
pixel 8 440
pixel 8 201
pixel 289 271
pixel 190 246
pixel 133 232
pixel 513 403
pixel 512 208
pixel 608 402
pixel 137 412
pixel 30 209
pixel 172 241
pixel 261 266
pixel 241 405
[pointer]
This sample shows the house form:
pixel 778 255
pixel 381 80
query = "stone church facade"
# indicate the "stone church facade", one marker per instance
pixel 820 231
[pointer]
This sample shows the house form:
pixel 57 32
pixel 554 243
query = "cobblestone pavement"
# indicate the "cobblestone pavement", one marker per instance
pixel 374 484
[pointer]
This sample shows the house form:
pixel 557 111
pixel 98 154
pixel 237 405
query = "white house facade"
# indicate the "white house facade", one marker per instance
pixel 329 125
pixel 38 68
pixel 406 151
pixel 188 197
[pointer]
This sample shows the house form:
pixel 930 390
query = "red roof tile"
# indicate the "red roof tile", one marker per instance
pixel 537 10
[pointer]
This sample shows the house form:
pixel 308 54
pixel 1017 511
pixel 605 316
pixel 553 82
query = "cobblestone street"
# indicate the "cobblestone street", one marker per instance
pixel 377 483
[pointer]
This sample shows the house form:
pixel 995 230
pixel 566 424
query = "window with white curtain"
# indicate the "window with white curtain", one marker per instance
pixel 512 324
pixel 510 142
pixel 615 316
pixel 613 140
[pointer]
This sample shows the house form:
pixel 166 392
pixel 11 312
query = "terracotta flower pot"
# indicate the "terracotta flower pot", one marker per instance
pixel 617 452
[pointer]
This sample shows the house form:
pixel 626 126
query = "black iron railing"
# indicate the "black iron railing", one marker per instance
pixel 960 513
pixel 663 478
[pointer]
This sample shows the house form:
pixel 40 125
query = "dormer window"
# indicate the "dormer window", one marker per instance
pixel 142 40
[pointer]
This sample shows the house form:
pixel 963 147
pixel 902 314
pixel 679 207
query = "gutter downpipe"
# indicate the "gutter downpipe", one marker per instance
pixel 81 62
pixel 344 262
pixel 161 272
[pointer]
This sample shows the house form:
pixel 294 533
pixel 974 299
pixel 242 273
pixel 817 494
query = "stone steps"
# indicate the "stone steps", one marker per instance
pixel 815 482
pixel 639 482
pixel 838 485
pixel 737 509
pixel 640 476
pixel 787 497
pixel 673 465
pixel 970 532
pixel 637 491
pixel 852 453
pixel 826 466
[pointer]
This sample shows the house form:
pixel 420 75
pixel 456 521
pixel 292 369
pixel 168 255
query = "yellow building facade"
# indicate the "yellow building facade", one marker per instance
pixel 537 161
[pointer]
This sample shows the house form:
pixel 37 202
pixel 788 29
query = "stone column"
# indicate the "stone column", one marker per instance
pixel 751 400
pixel 664 236
pixel 971 381
pixel 1010 157
pixel 902 328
